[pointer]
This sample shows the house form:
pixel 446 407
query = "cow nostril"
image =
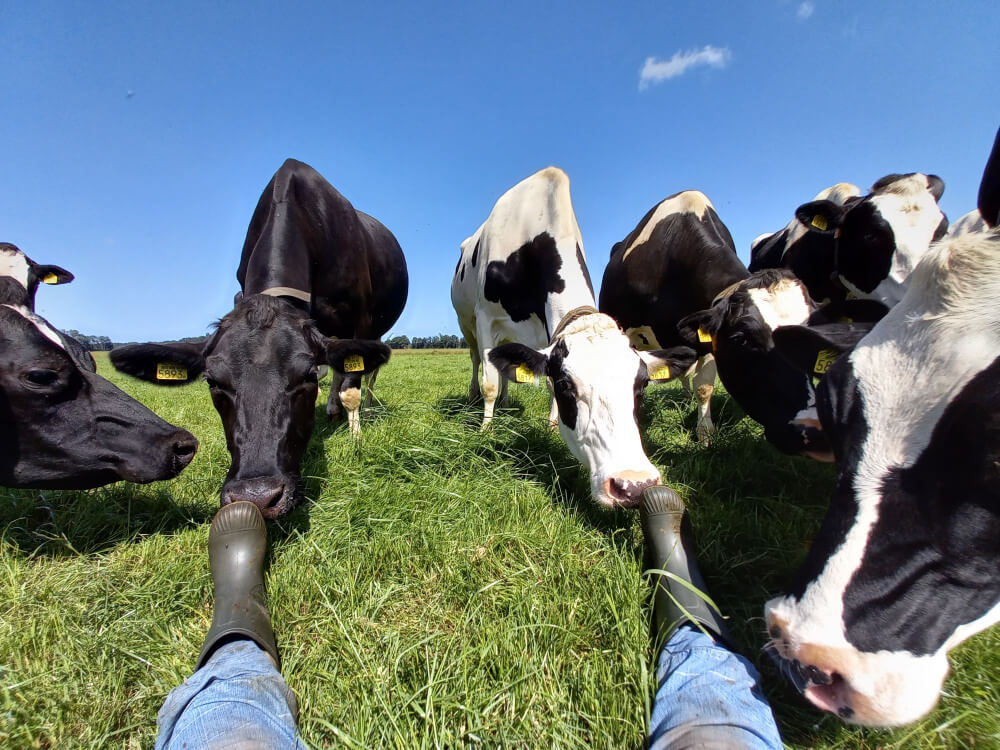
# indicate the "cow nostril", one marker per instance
pixel 775 632
pixel 628 492
pixel 817 676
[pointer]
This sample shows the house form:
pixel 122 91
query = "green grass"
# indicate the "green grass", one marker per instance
pixel 441 587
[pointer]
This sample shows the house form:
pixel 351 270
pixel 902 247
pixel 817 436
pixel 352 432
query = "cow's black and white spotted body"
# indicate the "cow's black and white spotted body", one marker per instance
pixel 526 306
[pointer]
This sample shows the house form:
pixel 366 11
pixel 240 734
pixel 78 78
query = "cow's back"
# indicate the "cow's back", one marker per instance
pixel 305 236
pixel 676 260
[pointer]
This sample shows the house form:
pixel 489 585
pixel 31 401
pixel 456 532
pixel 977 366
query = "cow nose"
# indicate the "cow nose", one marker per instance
pixel 184 446
pixel 261 491
pixel 626 488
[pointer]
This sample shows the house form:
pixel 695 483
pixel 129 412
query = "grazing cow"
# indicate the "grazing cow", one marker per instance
pixel 864 248
pixel 525 304
pixel 312 267
pixel 675 262
pixel 17 266
pixel 905 565
pixel 63 426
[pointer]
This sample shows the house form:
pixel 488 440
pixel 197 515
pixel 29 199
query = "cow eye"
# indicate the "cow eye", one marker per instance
pixel 41 377
pixel 312 376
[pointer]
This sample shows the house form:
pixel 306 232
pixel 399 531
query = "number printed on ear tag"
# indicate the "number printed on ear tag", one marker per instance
pixel 660 373
pixel 523 375
pixel 824 359
pixel 170 371
pixel 354 363
pixel 819 222
pixel 704 336
pixel 50 278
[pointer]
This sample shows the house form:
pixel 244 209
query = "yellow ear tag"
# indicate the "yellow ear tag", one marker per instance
pixel 660 373
pixel 354 363
pixel 703 336
pixel 824 359
pixel 50 278
pixel 523 375
pixel 819 222
pixel 170 371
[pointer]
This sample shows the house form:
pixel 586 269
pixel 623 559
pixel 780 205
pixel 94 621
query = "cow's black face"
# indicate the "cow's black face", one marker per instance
pixel 62 426
pixel 261 370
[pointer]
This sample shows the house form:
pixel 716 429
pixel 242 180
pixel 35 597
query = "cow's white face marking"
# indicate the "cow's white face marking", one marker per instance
pixel 14 264
pixel 690 201
pixel 782 304
pixel 909 368
pixel 43 327
pixel 603 367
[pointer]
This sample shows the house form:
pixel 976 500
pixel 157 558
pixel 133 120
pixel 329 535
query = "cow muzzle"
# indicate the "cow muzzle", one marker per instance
pixel 274 495
pixel 624 489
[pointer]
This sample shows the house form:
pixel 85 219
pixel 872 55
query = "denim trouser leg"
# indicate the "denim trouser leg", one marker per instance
pixel 237 700
pixel 708 697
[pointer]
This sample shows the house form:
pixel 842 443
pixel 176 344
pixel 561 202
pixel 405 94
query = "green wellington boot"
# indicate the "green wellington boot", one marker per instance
pixel 237 543
pixel 670 547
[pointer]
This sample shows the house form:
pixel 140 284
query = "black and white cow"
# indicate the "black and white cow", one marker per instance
pixel 525 304
pixel 15 265
pixel 63 426
pixel 863 247
pixel 907 562
pixel 321 281
pixel 675 262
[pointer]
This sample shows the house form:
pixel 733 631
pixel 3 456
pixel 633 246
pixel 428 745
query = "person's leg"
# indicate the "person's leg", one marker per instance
pixel 236 698
pixel 707 696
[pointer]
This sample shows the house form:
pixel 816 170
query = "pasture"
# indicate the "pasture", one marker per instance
pixel 440 587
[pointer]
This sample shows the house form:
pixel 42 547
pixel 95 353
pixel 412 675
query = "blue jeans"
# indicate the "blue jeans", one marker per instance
pixel 708 697
pixel 238 699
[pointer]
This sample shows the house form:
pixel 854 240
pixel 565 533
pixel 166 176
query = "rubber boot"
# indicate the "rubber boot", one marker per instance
pixel 670 547
pixel 237 543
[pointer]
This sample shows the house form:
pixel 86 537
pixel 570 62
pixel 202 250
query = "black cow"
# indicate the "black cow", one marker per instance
pixel 675 262
pixel 15 265
pixel 63 426
pixel 860 247
pixel 319 279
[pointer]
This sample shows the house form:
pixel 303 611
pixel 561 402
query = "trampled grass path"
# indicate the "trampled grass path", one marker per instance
pixel 441 587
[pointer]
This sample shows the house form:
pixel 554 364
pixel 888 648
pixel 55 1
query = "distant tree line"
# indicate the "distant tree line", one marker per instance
pixel 441 341
pixel 105 344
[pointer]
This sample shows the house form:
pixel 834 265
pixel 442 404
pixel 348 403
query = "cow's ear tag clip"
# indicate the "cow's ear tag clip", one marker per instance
pixel 50 278
pixel 354 363
pixel 523 375
pixel 704 336
pixel 170 371
pixel 660 373
pixel 824 359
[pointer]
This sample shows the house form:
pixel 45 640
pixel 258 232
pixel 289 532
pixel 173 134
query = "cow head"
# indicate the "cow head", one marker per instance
pixel 15 265
pixel 738 328
pixel 876 241
pixel 63 426
pixel 597 379
pixel 261 366
pixel 905 565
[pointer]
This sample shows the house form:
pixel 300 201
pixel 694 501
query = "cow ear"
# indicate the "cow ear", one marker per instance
pixel 519 363
pixel 49 274
pixel 174 363
pixel 935 185
pixel 664 364
pixel 700 329
pixel 356 355
pixel 824 217
pixel 813 350
pixel 849 311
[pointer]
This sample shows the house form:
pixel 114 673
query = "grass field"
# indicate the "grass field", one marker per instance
pixel 440 587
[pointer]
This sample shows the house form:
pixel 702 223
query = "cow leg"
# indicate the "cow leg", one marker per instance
pixel 474 391
pixel 704 387
pixel 350 398
pixel 553 407
pixel 490 388
pixel 369 394
pixel 333 409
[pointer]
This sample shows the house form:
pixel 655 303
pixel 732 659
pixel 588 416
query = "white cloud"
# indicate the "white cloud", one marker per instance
pixel 657 71
pixel 805 10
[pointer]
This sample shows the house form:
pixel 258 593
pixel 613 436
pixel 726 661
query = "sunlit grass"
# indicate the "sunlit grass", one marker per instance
pixel 441 587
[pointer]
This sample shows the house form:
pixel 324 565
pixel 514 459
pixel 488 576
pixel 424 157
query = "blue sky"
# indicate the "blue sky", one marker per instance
pixel 423 114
